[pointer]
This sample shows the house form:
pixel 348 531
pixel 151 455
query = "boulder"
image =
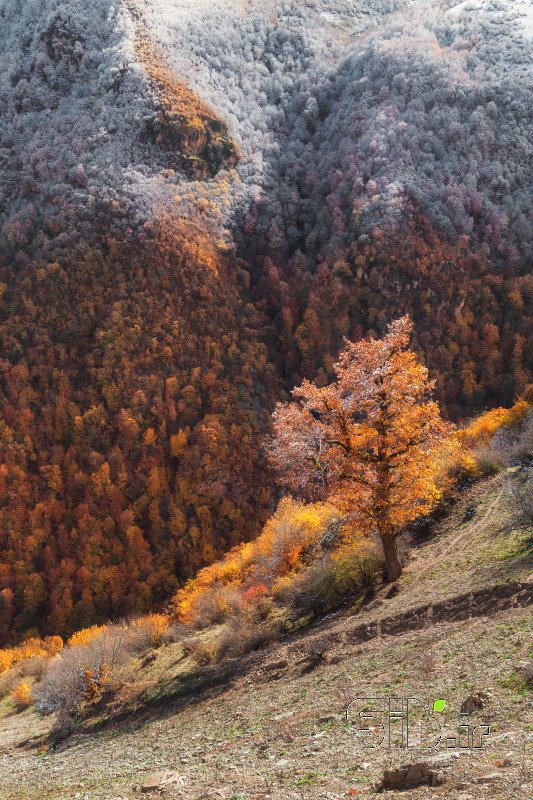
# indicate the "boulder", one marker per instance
pixel 409 776
pixel 486 779
pixel 162 779
pixel 474 702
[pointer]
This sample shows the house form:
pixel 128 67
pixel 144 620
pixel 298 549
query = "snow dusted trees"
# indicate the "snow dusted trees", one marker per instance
pixel 368 440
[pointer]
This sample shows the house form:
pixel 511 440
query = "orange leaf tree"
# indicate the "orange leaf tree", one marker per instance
pixel 369 440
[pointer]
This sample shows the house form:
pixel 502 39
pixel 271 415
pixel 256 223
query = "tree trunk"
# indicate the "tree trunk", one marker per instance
pixel 392 560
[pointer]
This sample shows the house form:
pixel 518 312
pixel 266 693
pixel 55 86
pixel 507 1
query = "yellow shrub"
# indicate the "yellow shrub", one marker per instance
pixel 31 648
pixel 86 635
pixel 6 660
pixel 482 429
pixel 155 626
pixel 21 695
pixel 53 645
pixel 357 563
pixel 478 435
pixel 278 550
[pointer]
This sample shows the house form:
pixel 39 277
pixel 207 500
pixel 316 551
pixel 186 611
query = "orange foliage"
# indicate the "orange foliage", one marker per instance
pixel 255 593
pixel 86 635
pixel 21 695
pixel 481 430
pixel 31 648
pixel 472 319
pixel 121 485
pixel 94 681
pixel 254 567
pixel 155 626
pixel 370 440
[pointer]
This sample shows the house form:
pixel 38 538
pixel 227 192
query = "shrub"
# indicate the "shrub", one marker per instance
pixel 241 637
pixel 7 682
pixel 86 635
pixel 200 651
pixel 357 566
pixel 489 461
pixel 256 603
pixel 151 630
pixel 480 432
pixel 6 660
pixel 254 594
pixel 80 672
pixel 514 444
pixel 21 696
pixel 333 579
pixel 213 605
pixel 30 648
pixel 33 667
pixel 289 539
pixel 491 441
pixel 53 645
pixel 309 591
pixel 176 632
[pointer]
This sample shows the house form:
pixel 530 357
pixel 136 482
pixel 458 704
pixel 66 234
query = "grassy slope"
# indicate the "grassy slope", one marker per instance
pixel 261 732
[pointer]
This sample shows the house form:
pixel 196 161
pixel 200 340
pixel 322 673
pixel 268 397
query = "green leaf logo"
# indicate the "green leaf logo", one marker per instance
pixel 439 705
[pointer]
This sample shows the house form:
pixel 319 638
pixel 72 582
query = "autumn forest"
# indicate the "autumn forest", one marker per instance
pixel 314 209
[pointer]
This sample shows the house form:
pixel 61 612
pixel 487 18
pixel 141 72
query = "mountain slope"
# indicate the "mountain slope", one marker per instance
pixel 271 725
pixel 198 201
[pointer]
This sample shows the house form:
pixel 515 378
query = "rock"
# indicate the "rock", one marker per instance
pixel 443 759
pixel 284 715
pixel 373 605
pixel 469 513
pixel 409 776
pixel 392 591
pixel 502 762
pixel 162 779
pixel 483 779
pixel 525 674
pixel 273 665
pixel 474 702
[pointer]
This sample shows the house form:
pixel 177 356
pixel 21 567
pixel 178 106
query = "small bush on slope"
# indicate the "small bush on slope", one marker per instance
pixel 86 666
pixel 332 579
pixel 151 630
pixel 21 695
pixel 287 540
pixel 31 648
pixel 80 672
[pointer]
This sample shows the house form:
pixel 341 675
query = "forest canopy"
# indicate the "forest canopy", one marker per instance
pixel 196 209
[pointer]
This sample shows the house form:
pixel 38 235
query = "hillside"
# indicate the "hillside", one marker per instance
pixel 198 202
pixel 272 724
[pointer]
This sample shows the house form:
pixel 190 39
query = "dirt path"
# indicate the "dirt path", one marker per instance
pixel 450 546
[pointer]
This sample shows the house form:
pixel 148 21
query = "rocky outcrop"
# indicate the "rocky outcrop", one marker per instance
pixel 63 40
pixel 465 606
pixel 195 139
pixel 199 146
pixel 409 777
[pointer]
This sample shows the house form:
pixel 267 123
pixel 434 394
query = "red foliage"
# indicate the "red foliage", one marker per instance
pixel 255 593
